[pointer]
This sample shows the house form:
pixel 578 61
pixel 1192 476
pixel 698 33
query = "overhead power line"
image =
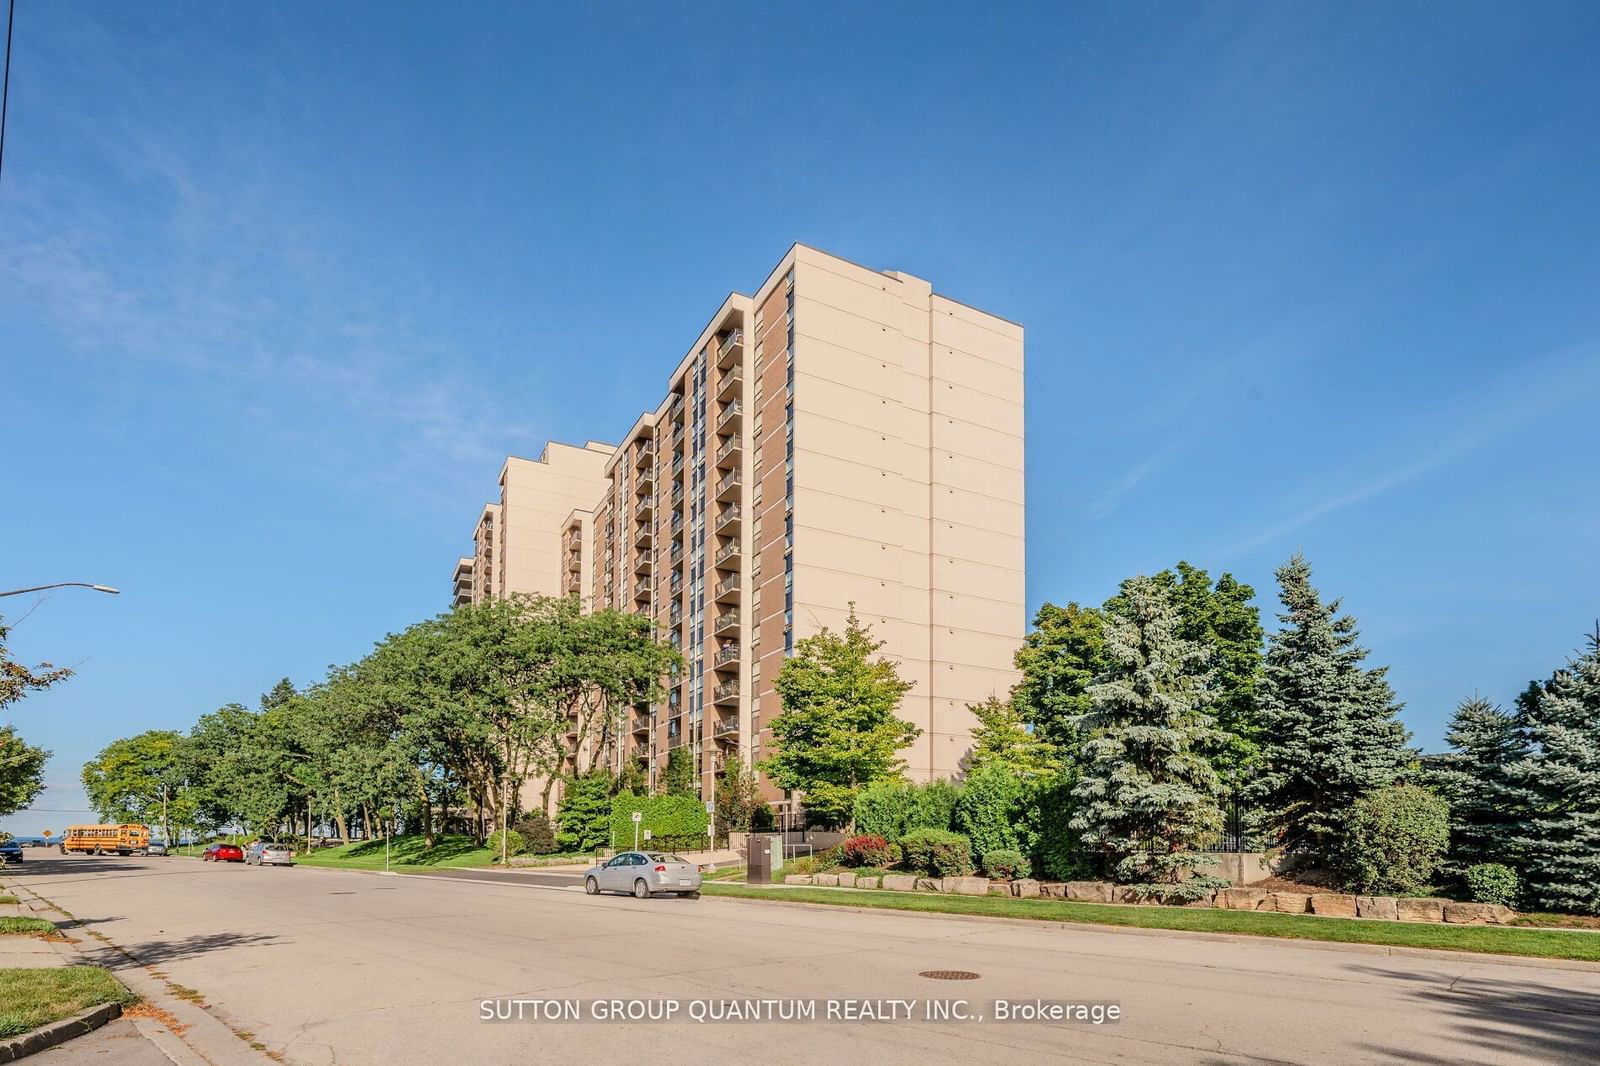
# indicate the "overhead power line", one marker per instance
pixel 5 83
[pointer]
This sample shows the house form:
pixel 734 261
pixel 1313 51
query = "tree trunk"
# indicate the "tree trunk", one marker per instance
pixel 427 812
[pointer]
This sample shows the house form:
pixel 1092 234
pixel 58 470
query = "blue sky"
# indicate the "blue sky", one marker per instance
pixel 281 285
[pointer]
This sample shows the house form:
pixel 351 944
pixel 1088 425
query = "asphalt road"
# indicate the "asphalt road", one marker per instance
pixel 335 967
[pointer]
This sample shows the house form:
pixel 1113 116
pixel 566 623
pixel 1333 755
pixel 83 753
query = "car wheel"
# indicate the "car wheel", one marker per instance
pixel 693 895
pixel 641 890
pixel 591 886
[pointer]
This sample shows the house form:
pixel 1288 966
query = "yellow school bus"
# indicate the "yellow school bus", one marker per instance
pixel 104 839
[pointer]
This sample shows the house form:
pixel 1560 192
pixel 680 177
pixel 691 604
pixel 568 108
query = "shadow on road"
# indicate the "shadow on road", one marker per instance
pixel 158 952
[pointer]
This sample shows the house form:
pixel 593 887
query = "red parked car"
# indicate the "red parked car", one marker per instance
pixel 223 853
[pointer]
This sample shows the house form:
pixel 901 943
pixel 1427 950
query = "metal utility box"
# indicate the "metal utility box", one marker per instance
pixel 765 859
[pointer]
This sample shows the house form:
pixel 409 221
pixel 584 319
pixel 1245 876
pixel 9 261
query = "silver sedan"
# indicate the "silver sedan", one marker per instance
pixel 644 873
pixel 264 854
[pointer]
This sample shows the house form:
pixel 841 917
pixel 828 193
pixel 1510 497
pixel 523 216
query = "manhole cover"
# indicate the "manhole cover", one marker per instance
pixel 949 975
pixel 341 893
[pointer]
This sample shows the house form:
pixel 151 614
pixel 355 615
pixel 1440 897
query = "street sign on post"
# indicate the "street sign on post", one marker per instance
pixel 647 834
pixel 638 816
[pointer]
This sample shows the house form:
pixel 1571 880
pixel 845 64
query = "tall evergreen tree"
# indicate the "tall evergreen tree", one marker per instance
pixel 1002 738
pixel 1059 661
pixel 1329 731
pixel 1221 619
pixel 1558 781
pixel 1148 795
pixel 679 778
pixel 1483 814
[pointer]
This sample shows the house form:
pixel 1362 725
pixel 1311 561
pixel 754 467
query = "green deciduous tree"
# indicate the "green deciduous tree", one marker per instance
pixel 838 729
pixel 1329 726
pixel 1558 783
pixel 21 771
pixel 679 778
pixel 738 800
pixel 583 822
pixel 989 811
pixel 17 680
pixel 1148 795
pixel 143 779
pixel 1058 661
pixel 1002 738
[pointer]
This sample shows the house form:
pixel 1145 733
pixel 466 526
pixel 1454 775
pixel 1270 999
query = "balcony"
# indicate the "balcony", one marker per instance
pixel 728 519
pixel 646 479
pixel 727 656
pixel 725 727
pixel 732 416
pixel 732 344
pixel 574 562
pixel 677 495
pixel 641 725
pixel 643 563
pixel 728 588
pixel 726 622
pixel 644 455
pixel 677 522
pixel 641 594
pixel 643 508
pixel 728 555
pixel 677 555
pixel 728 385
pixel 727 692
pixel 729 484
pixel 729 449
pixel 643 535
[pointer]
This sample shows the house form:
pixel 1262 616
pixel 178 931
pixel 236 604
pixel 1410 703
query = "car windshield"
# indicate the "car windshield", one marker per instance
pixel 659 857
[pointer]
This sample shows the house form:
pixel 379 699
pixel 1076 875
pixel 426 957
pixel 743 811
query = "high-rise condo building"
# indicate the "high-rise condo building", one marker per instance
pixel 843 436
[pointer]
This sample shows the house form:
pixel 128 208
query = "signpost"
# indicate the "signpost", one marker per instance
pixel 638 816
pixel 711 825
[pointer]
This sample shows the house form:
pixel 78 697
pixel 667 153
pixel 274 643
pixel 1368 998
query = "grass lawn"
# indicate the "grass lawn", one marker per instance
pixel 1538 943
pixel 25 925
pixel 31 998
pixel 8 899
pixel 405 852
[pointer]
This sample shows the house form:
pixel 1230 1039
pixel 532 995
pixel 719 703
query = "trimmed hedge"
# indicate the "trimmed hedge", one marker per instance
pixel 937 852
pixel 1005 864
pixel 514 843
pixel 673 821
pixel 1394 841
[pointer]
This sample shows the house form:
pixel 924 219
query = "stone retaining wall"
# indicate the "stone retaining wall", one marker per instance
pixel 1325 904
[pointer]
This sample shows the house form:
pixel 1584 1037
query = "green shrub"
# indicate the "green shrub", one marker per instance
pixel 894 856
pixel 538 835
pixel 988 809
pixel 513 841
pixel 1056 848
pixel 675 822
pixel 1007 864
pixel 933 805
pixel 1490 882
pixel 867 850
pixel 891 809
pixel 1393 841
pixel 937 852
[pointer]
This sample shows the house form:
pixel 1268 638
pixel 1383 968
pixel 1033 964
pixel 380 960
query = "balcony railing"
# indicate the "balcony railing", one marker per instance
pixel 729 447
pixel 644 455
pixel 642 564
pixel 731 415
pixel 729 344
pixel 731 380
pixel 725 727
pixel 728 588
pixel 726 692
pixel 728 553
pixel 643 506
pixel 727 516
pixel 643 535
pixel 727 655
pixel 728 484
pixel 725 621
pixel 677 495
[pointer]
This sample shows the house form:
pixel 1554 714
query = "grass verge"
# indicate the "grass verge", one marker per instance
pixel 1492 940
pixel 8 899
pixel 404 852
pixel 30 998
pixel 11 925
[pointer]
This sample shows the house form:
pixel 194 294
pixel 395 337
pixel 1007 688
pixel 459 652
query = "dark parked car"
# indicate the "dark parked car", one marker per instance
pixel 11 851
pixel 223 853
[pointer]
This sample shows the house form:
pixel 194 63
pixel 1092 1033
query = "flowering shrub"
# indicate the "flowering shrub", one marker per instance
pixel 867 850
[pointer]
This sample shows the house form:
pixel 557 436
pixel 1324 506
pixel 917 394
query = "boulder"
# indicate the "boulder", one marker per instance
pixel 847 880
pixel 1477 914
pixel 1133 895
pixel 1419 910
pixel 1243 899
pixel 1290 902
pixel 866 881
pixel 1333 904
pixel 1089 891
pixel 1053 890
pixel 899 882
pixel 930 884
pixel 965 886
pixel 825 879
pixel 999 888
pixel 797 879
pixel 1376 907
pixel 1025 888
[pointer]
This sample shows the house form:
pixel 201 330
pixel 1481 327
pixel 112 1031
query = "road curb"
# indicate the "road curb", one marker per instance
pixel 1055 924
pixel 48 1036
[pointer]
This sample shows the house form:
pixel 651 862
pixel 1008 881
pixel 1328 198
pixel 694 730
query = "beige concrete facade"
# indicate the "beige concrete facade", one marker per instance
pixel 843 436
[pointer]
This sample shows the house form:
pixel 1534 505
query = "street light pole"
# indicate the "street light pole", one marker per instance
pixel 65 585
